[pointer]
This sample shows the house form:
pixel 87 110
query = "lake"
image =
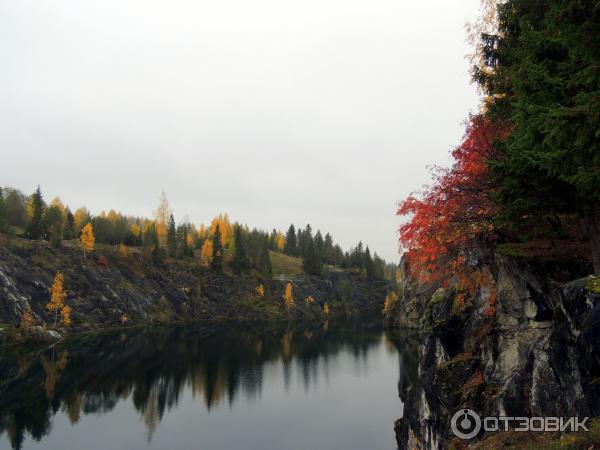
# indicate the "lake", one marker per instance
pixel 280 387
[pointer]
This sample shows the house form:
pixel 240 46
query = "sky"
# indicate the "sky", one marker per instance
pixel 325 112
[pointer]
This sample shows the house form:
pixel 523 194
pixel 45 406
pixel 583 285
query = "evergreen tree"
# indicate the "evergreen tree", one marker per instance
pixel 171 237
pixel 239 262
pixel 540 71
pixel 291 245
pixel 54 223
pixel 3 214
pixel 264 261
pixel 273 240
pixel 311 262
pixel 35 229
pixel 217 250
pixel 368 264
pixel 69 231
pixel 328 250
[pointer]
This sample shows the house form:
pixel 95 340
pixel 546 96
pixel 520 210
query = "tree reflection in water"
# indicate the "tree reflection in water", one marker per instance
pixel 153 367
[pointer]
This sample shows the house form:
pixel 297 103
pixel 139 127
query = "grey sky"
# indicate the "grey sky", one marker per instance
pixel 318 111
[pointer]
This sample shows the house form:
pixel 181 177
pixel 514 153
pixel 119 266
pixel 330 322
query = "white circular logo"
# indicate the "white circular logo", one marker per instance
pixel 465 423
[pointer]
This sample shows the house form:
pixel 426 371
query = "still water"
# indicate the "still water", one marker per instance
pixel 325 386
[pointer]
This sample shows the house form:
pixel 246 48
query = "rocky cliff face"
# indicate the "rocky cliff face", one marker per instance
pixel 108 290
pixel 536 352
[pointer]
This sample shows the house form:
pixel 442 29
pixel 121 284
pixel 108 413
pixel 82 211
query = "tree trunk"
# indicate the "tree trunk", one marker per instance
pixel 594 232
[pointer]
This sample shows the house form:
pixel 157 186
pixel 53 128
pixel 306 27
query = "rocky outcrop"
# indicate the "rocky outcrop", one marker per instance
pixel 523 345
pixel 107 290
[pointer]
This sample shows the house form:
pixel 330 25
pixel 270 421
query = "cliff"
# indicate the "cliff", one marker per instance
pixel 526 344
pixel 108 290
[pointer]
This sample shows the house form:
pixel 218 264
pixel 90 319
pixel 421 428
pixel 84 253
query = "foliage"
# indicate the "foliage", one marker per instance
pixel 288 297
pixel 240 262
pixel 456 212
pixel 36 207
pixel 260 291
pixel 390 300
pixel 326 309
pixel 217 250
pixel 27 321
pixel 57 296
pixel 87 240
pixel 206 254
pixel 541 76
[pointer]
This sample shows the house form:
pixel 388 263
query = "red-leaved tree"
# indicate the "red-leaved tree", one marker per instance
pixel 455 212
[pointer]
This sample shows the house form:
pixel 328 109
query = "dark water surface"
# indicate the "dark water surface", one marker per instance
pixel 319 387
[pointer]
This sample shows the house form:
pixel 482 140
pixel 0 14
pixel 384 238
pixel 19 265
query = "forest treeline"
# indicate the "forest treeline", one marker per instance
pixel 222 242
pixel 528 167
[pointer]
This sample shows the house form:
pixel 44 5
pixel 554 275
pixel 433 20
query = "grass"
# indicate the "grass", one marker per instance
pixel 285 265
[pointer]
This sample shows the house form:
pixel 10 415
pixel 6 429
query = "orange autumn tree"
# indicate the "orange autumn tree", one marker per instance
pixel 87 240
pixel 454 214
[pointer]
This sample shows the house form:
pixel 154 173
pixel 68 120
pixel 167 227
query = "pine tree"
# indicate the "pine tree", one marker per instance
pixel 291 246
pixel 54 222
pixel 69 231
pixel 217 251
pixel 35 229
pixel 171 237
pixel 239 262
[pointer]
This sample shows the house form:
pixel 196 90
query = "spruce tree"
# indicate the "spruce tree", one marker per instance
pixel 171 237
pixel 264 260
pixel 540 71
pixel 291 245
pixel 368 264
pixel 217 253
pixel 239 262
pixel 35 228
pixel 3 214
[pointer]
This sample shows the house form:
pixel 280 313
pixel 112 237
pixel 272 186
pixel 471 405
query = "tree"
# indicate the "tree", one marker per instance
pixel 288 297
pixel 161 218
pixel 87 240
pixel 206 254
pixel 54 221
pixel 260 291
pixel 35 229
pixel 81 217
pixel 3 214
pixel 57 296
pixel 239 262
pixel 541 77
pixel 264 260
pixel 291 246
pixel 171 237
pixel 279 242
pixel 368 264
pixel 311 262
pixel 217 250
pixel 456 212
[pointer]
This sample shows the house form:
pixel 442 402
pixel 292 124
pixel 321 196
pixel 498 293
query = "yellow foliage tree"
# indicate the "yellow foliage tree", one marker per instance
pixel 206 254
pixel 57 296
pixel 279 241
pixel 326 309
pixel 27 321
pixel 389 302
pixel 65 316
pixel 260 290
pixel 80 218
pixel 161 217
pixel 224 227
pixel 123 251
pixel 88 241
pixel 288 297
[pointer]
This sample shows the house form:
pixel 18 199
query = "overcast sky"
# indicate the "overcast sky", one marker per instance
pixel 316 111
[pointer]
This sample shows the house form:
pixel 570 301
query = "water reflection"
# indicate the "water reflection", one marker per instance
pixel 153 370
